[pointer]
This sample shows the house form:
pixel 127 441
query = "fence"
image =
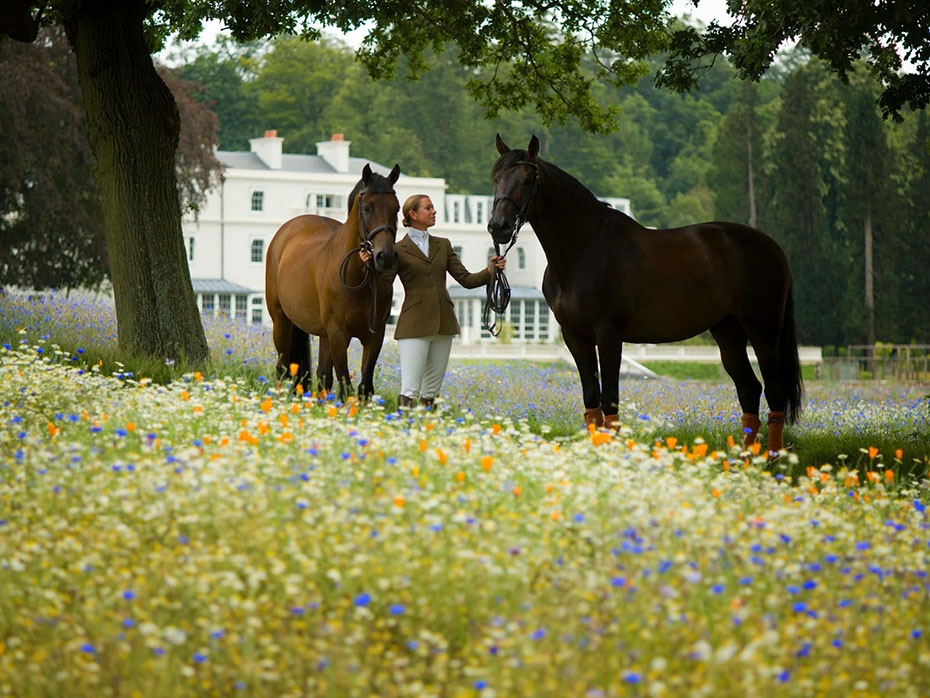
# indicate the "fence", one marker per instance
pixel 898 362
pixel 638 352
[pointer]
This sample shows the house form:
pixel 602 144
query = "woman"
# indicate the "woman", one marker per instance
pixel 427 320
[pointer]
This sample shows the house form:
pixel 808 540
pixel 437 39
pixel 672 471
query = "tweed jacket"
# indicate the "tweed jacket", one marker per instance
pixel 427 308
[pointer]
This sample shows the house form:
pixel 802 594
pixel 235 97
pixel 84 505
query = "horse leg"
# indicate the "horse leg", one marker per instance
pixel 338 353
pixel 731 339
pixel 370 351
pixel 585 356
pixel 281 333
pixel 766 346
pixel 324 369
pixel 300 355
pixel 610 354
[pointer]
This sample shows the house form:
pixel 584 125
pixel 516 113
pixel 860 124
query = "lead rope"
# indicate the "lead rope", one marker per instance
pixel 498 297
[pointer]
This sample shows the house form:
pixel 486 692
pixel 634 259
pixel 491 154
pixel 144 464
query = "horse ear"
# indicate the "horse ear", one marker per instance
pixel 366 174
pixel 395 173
pixel 501 146
pixel 533 147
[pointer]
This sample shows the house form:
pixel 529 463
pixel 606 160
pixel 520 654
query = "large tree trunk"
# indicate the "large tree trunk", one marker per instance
pixel 751 175
pixel 133 123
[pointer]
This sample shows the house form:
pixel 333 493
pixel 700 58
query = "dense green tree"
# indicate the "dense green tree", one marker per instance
pixel 866 206
pixel 737 159
pixel 800 212
pixel 913 262
pixel 224 75
pixel 891 36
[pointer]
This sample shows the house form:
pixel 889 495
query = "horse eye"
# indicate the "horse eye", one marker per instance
pixel 368 208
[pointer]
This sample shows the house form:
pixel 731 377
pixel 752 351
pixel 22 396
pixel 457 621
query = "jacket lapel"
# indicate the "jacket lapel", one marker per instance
pixel 411 247
pixel 433 247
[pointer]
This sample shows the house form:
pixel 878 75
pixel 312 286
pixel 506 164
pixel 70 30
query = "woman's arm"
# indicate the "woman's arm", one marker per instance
pixel 464 277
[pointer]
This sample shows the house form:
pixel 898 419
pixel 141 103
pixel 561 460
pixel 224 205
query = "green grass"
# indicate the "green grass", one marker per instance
pixel 692 370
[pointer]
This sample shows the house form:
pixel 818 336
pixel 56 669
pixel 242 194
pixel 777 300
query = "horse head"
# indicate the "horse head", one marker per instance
pixel 374 204
pixel 516 181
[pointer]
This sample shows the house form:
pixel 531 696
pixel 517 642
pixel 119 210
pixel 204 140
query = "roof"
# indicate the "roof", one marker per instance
pixel 517 293
pixel 296 163
pixel 219 286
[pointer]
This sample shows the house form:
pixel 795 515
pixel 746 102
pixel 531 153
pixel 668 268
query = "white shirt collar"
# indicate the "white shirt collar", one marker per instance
pixel 420 239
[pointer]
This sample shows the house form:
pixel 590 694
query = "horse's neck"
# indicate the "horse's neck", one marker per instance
pixel 347 236
pixel 565 219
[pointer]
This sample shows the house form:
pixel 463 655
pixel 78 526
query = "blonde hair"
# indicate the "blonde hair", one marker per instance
pixel 412 204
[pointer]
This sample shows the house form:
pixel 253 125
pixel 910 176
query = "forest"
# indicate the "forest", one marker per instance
pixel 800 154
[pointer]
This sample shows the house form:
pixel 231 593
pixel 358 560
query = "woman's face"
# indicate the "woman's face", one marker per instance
pixel 423 216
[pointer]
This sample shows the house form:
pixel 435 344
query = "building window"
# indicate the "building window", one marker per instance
pixel 491 252
pixel 458 250
pixel 207 304
pixel 224 305
pixel 190 249
pixel 258 251
pixel 515 319
pixel 456 211
pixel 529 319
pixel 543 321
pixel 521 258
pixel 256 311
pixel 258 200
pixel 241 306
pixel 479 212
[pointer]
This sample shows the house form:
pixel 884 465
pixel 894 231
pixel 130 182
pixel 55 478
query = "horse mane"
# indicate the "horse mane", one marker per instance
pixel 565 181
pixel 379 184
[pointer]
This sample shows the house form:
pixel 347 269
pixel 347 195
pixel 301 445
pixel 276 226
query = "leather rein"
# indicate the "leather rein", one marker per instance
pixel 371 277
pixel 498 297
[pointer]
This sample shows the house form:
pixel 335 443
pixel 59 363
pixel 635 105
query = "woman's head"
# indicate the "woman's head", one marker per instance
pixel 419 212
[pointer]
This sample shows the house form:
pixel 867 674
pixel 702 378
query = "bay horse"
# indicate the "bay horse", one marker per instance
pixel 611 280
pixel 316 284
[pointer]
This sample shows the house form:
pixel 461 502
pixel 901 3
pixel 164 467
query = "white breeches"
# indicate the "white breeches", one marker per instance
pixel 423 362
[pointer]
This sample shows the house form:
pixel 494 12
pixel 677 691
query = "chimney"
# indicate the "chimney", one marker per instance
pixel 268 149
pixel 335 151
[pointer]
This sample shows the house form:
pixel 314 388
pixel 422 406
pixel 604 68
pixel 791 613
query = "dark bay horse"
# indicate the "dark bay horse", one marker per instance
pixel 610 280
pixel 316 284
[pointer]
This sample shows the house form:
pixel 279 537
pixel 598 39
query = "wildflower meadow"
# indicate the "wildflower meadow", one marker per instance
pixel 170 532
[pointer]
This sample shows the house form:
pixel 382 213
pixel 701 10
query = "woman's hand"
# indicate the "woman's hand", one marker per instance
pixel 498 262
pixel 364 256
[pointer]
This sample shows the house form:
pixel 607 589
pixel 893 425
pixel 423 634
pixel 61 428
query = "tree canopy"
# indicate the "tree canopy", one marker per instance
pixel 892 37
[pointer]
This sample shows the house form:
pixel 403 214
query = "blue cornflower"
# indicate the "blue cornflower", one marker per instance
pixel 88 648
pixel 362 599
pixel 397 609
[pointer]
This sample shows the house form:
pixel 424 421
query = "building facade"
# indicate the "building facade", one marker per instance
pixel 262 189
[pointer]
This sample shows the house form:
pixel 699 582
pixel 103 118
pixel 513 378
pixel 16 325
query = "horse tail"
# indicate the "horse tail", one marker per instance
pixel 790 362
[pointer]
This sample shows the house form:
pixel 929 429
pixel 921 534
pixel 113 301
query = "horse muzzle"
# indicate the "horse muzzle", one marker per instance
pixel 385 260
pixel 501 230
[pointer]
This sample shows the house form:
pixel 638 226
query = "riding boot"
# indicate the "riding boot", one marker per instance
pixel 404 402
pixel 594 416
pixel 427 402
pixel 776 430
pixel 611 421
pixel 750 430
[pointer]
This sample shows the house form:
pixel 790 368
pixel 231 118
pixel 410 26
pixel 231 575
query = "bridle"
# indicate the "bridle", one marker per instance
pixel 371 277
pixel 498 297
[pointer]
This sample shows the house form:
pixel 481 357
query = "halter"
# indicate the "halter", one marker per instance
pixel 370 277
pixel 498 297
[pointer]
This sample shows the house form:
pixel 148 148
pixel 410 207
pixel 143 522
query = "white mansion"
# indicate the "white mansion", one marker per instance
pixel 261 189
